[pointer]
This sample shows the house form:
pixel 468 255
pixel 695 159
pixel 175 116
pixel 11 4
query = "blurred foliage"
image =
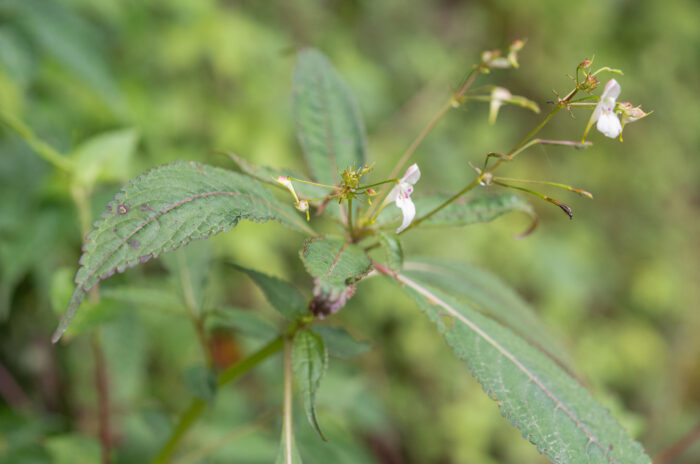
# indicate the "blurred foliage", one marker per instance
pixel 618 284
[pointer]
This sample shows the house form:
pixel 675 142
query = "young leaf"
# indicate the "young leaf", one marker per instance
pixel 165 209
pixel 339 342
pixel 310 361
pixel 335 266
pixel 469 209
pixel 105 157
pixel 281 295
pixel 329 125
pixel 551 409
pixel 335 261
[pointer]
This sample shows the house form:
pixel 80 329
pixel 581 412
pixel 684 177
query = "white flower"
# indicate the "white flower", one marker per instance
pixel 499 95
pixel 401 194
pixel 604 112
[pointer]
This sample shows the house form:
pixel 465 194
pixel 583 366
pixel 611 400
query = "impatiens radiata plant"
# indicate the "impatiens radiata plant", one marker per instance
pixel 495 333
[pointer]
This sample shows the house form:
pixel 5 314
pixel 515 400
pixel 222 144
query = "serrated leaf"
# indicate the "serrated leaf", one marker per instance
pixel 334 260
pixel 281 295
pixel 104 157
pixel 309 362
pixel 551 409
pixel 339 342
pixel 200 381
pixel 164 209
pixel 329 125
pixel 486 293
pixel 472 208
pixel 393 249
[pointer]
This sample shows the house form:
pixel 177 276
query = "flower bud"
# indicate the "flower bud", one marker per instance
pixel 286 181
pixel 630 113
pixel 590 83
pixel 585 64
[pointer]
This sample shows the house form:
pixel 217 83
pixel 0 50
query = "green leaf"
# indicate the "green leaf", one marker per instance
pixel 334 260
pixel 105 157
pixel 160 298
pixel 201 383
pixel 329 125
pixel 309 361
pixel 243 320
pixel 392 247
pixel 70 41
pixel 339 342
pixel 486 293
pixel 469 209
pixel 551 409
pixel 164 209
pixel 281 295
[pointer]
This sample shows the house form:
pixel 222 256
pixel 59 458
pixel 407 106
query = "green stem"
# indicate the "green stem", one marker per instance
pixel 43 149
pixel 197 406
pixel 551 200
pixel 351 229
pixel 453 102
pixel 415 223
pixel 287 429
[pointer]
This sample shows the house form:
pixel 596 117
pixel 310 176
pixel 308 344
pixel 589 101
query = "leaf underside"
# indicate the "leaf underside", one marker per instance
pixel 164 209
pixel 329 125
pixel 551 409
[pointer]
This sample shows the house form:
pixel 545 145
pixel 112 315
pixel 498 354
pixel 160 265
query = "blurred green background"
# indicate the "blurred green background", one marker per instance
pixel 618 284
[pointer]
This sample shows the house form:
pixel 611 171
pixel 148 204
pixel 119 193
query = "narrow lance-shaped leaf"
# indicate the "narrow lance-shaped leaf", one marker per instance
pixel 310 361
pixel 164 209
pixel 329 125
pixel 486 293
pixel 282 296
pixel 551 409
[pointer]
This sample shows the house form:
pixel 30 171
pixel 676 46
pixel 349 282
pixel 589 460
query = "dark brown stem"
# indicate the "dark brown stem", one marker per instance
pixel 102 383
pixel 10 390
pixel 676 449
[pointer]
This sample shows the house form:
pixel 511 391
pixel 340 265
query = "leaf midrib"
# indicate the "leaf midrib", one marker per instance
pixel 559 404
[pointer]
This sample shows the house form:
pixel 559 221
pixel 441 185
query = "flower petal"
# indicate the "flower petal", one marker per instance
pixel 412 174
pixel 612 90
pixel 408 209
pixel 609 125
pixel 393 195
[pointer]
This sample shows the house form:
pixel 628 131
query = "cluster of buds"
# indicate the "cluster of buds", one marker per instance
pixel 495 59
